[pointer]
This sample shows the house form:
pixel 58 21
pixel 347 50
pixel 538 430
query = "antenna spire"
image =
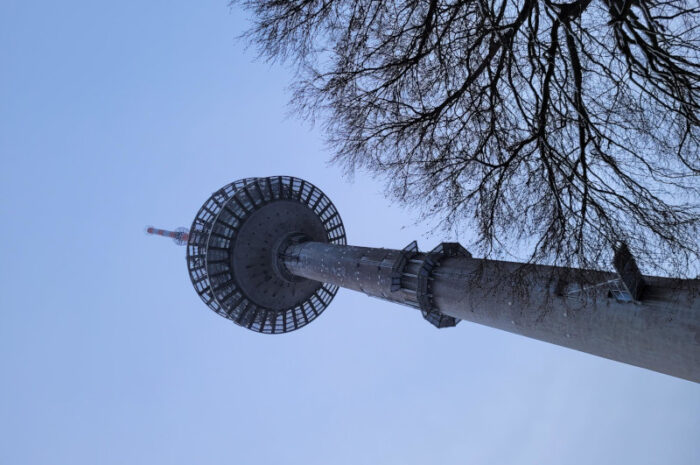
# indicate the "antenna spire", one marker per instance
pixel 180 235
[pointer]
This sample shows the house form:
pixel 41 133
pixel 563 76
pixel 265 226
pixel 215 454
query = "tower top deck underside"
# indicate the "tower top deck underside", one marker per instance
pixel 231 251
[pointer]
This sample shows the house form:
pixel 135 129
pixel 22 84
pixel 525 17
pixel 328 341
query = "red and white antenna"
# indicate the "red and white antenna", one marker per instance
pixel 180 235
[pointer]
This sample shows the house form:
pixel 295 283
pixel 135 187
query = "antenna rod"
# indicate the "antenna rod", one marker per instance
pixel 180 235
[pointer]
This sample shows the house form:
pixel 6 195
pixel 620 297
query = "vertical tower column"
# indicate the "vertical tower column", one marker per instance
pixel 562 306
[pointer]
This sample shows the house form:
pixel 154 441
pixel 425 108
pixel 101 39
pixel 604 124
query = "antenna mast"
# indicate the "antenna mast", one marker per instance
pixel 180 235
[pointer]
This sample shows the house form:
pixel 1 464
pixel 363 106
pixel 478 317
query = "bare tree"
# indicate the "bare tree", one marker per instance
pixel 557 128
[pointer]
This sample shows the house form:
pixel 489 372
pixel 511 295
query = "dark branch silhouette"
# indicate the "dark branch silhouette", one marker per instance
pixel 562 129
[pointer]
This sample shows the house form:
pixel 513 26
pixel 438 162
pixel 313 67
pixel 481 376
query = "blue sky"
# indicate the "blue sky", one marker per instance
pixel 114 115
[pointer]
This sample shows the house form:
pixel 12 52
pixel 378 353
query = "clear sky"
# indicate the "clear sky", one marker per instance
pixel 114 115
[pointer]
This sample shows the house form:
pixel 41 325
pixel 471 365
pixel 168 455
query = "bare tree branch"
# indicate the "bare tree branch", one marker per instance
pixel 558 128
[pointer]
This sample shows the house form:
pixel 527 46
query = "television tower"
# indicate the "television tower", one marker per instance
pixel 270 254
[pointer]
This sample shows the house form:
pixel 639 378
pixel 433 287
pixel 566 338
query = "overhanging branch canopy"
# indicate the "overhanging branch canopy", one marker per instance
pixel 565 127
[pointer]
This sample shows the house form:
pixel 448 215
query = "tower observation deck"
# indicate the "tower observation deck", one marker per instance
pixel 270 254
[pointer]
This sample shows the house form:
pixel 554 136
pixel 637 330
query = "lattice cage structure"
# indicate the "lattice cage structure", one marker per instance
pixel 231 251
pixel 413 273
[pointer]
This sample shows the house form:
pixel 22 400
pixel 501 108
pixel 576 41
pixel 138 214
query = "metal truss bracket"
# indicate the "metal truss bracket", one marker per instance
pixel 615 289
pixel 424 292
pixel 628 288
pixel 629 273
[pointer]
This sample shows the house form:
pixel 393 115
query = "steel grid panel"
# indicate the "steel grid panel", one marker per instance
pixel 212 239
pixel 199 236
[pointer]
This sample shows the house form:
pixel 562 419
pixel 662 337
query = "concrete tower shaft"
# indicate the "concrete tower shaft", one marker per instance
pixel 556 305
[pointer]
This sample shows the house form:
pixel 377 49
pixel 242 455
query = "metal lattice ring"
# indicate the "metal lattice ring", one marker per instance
pixel 233 252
